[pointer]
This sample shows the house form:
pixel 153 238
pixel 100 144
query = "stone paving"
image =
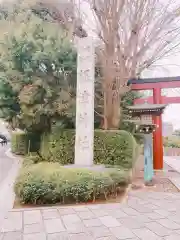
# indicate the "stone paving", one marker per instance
pixel 145 215
pixel 5 163
pixel 9 166
pixel 174 162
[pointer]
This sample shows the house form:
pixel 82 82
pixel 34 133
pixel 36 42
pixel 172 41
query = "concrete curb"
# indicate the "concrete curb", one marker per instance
pixel 9 154
pixel 7 195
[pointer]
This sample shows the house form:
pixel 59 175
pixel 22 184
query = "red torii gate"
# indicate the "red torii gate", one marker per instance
pixel 156 84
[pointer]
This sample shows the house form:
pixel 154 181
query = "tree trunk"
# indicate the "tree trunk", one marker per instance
pixel 111 89
pixel 111 110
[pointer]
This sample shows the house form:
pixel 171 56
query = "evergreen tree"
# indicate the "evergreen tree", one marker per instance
pixel 38 73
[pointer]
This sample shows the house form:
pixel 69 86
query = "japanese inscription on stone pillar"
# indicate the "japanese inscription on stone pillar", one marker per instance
pixel 85 103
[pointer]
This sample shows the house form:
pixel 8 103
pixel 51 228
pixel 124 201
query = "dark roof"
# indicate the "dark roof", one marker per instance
pixel 147 107
pixel 152 80
pixel 139 122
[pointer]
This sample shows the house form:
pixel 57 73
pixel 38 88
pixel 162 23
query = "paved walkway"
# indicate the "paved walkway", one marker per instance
pixel 145 215
pixel 151 216
pixel 9 167
pixel 5 163
pixel 173 162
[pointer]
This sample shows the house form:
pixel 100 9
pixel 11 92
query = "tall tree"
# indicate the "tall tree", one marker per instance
pixel 133 35
pixel 38 69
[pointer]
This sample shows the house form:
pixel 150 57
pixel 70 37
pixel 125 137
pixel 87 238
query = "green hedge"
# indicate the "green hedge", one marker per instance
pixel 50 183
pixel 110 147
pixel 31 159
pixel 58 146
pixel 19 143
pixel 22 142
pixel 173 142
pixel 114 148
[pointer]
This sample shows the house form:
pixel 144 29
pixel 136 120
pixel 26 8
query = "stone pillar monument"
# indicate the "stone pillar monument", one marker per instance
pixel 84 142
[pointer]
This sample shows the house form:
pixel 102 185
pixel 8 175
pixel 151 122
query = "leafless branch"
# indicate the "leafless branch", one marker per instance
pixel 134 35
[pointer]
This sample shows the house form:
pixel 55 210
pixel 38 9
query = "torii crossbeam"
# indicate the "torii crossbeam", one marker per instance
pixel 156 84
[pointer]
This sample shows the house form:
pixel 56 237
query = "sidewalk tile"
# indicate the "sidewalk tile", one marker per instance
pixel 117 213
pixel 86 215
pixel 158 229
pixel 13 222
pixel 75 227
pixel 33 228
pixel 144 234
pixel 94 222
pixel 131 223
pixel 32 216
pixel 66 211
pixel 122 233
pixel 80 236
pixel 35 236
pixel 50 213
pixel 58 236
pixel 130 211
pixel 109 221
pixel 71 218
pixel 54 225
pixel 12 236
pixel 172 237
pixel 99 212
pixel 98 232
pixel 169 224
pixel 80 208
pixel 153 216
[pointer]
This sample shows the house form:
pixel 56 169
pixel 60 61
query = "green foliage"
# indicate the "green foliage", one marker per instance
pixel 58 146
pixel 110 147
pixel 22 142
pixel 34 140
pixel 31 159
pixel 114 148
pixel 37 73
pixel 19 143
pixel 9 106
pixel 128 100
pixel 49 183
pixel 173 142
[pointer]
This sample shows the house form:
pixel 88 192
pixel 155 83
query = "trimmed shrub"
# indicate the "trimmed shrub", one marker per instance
pixel 50 183
pixel 34 140
pixel 31 159
pixel 110 147
pixel 23 142
pixel 114 148
pixel 58 146
pixel 19 143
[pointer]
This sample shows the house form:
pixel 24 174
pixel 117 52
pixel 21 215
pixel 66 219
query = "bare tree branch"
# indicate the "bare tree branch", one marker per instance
pixel 134 35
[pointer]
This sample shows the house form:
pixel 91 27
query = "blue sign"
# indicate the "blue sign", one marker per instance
pixel 148 158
